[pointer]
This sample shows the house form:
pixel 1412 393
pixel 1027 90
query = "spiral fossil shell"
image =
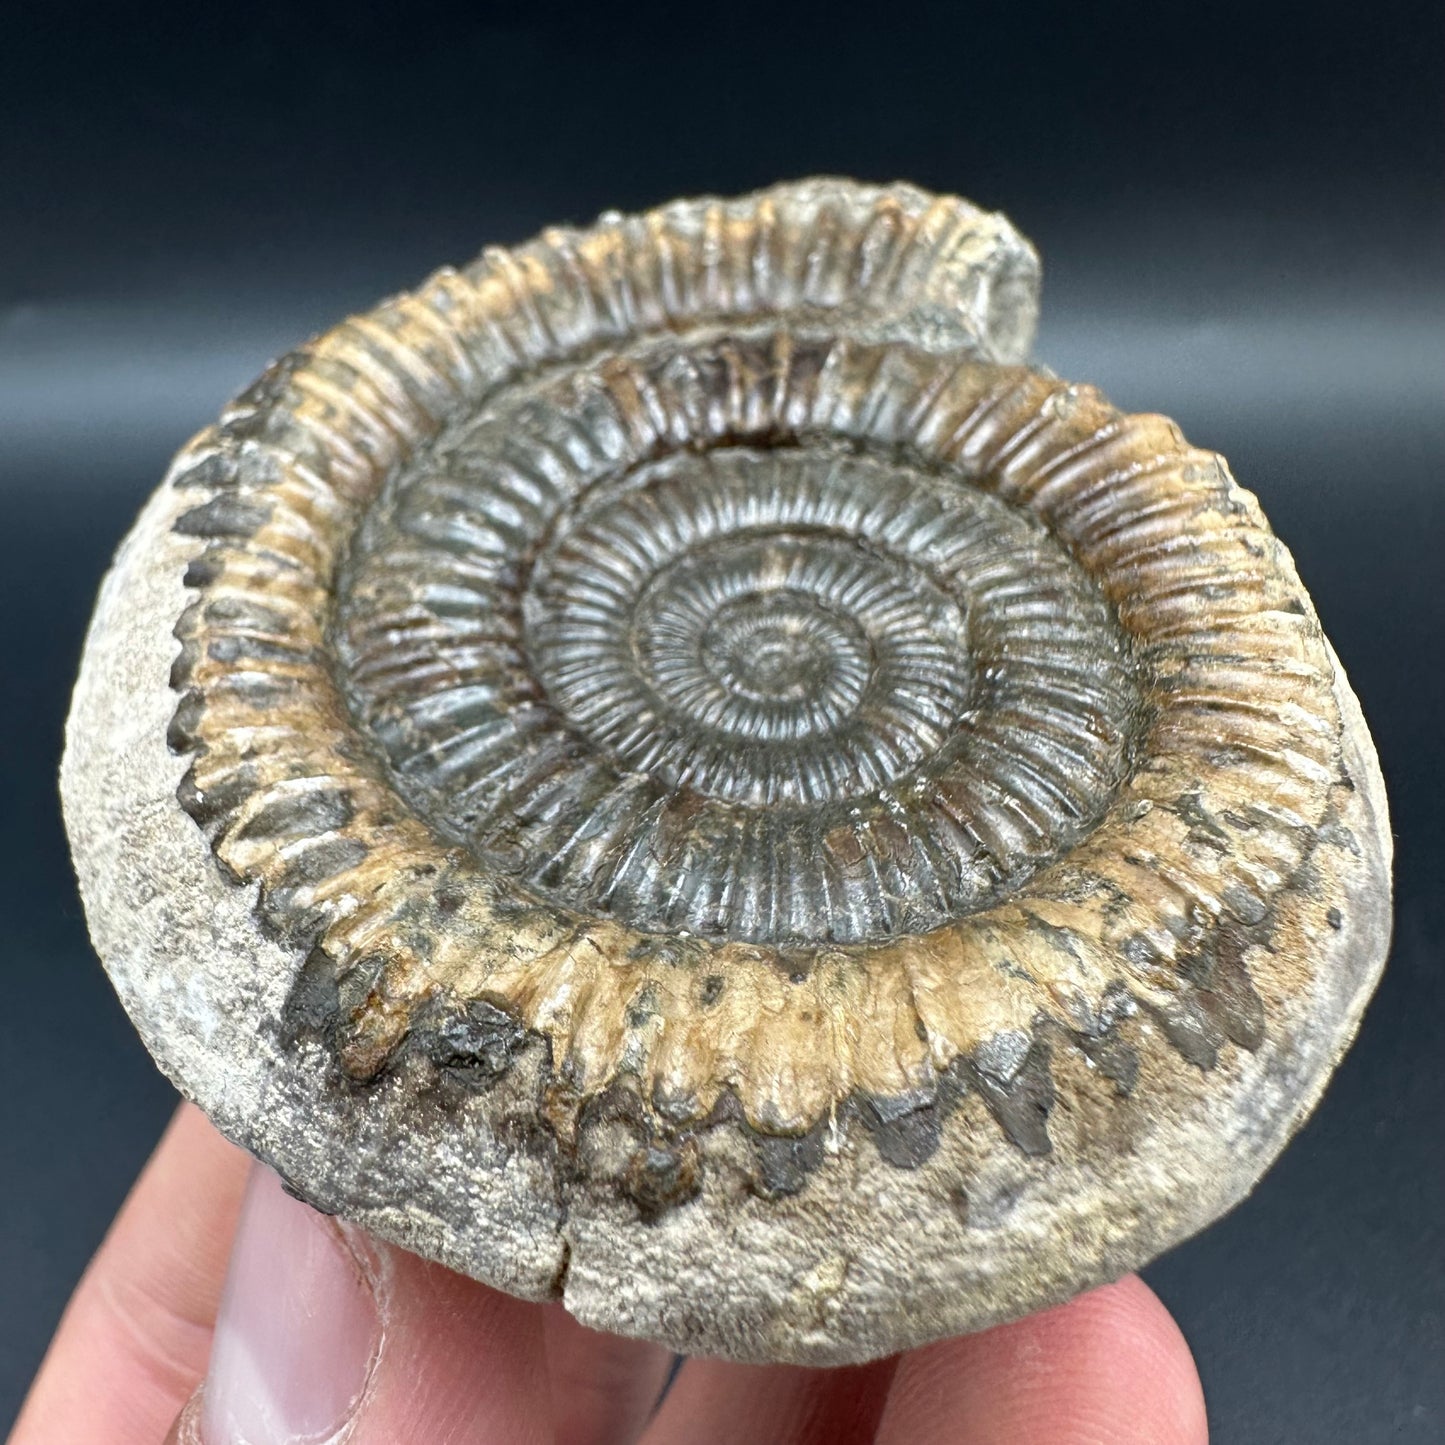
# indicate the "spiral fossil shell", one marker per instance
pixel 669 768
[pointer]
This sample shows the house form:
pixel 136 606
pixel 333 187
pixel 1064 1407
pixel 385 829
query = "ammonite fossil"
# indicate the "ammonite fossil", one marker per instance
pixel 669 769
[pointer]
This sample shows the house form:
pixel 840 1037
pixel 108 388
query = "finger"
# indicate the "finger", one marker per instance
pixel 603 1387
pixel 133 1340
pixel 715 1403
pixel 460 1364
pixel 1109 1368
pixel 322 1330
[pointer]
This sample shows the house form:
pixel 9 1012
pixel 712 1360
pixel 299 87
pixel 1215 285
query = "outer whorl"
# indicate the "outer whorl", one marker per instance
pixel 667 768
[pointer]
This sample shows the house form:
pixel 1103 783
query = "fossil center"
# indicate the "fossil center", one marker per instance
pixel 788 690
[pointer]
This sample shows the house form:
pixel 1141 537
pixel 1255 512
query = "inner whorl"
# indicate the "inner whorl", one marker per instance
pixel 688 686
pixel 710 600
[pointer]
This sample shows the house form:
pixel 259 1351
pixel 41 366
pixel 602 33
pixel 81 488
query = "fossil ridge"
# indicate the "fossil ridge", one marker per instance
pixel 668 768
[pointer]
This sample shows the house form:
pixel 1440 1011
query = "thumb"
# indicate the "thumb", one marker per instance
pixel 326 1334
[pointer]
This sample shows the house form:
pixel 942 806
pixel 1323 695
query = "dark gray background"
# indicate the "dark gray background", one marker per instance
pixel 1240 212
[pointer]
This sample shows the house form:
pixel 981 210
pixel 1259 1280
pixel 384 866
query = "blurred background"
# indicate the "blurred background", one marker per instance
pixel 1240 210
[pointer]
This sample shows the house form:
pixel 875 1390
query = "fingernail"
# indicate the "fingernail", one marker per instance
pixel 297 1331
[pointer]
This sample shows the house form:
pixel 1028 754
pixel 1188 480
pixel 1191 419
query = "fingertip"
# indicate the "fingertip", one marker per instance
pixel 1109 1368
pixel 603 1387
pixel 326 1331
pixel 458 1359
pixel 298 1328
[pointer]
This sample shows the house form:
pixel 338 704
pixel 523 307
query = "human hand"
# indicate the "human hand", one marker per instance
pixel 317 1333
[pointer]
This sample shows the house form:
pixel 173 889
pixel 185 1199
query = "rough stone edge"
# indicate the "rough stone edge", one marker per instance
pixel 149 883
